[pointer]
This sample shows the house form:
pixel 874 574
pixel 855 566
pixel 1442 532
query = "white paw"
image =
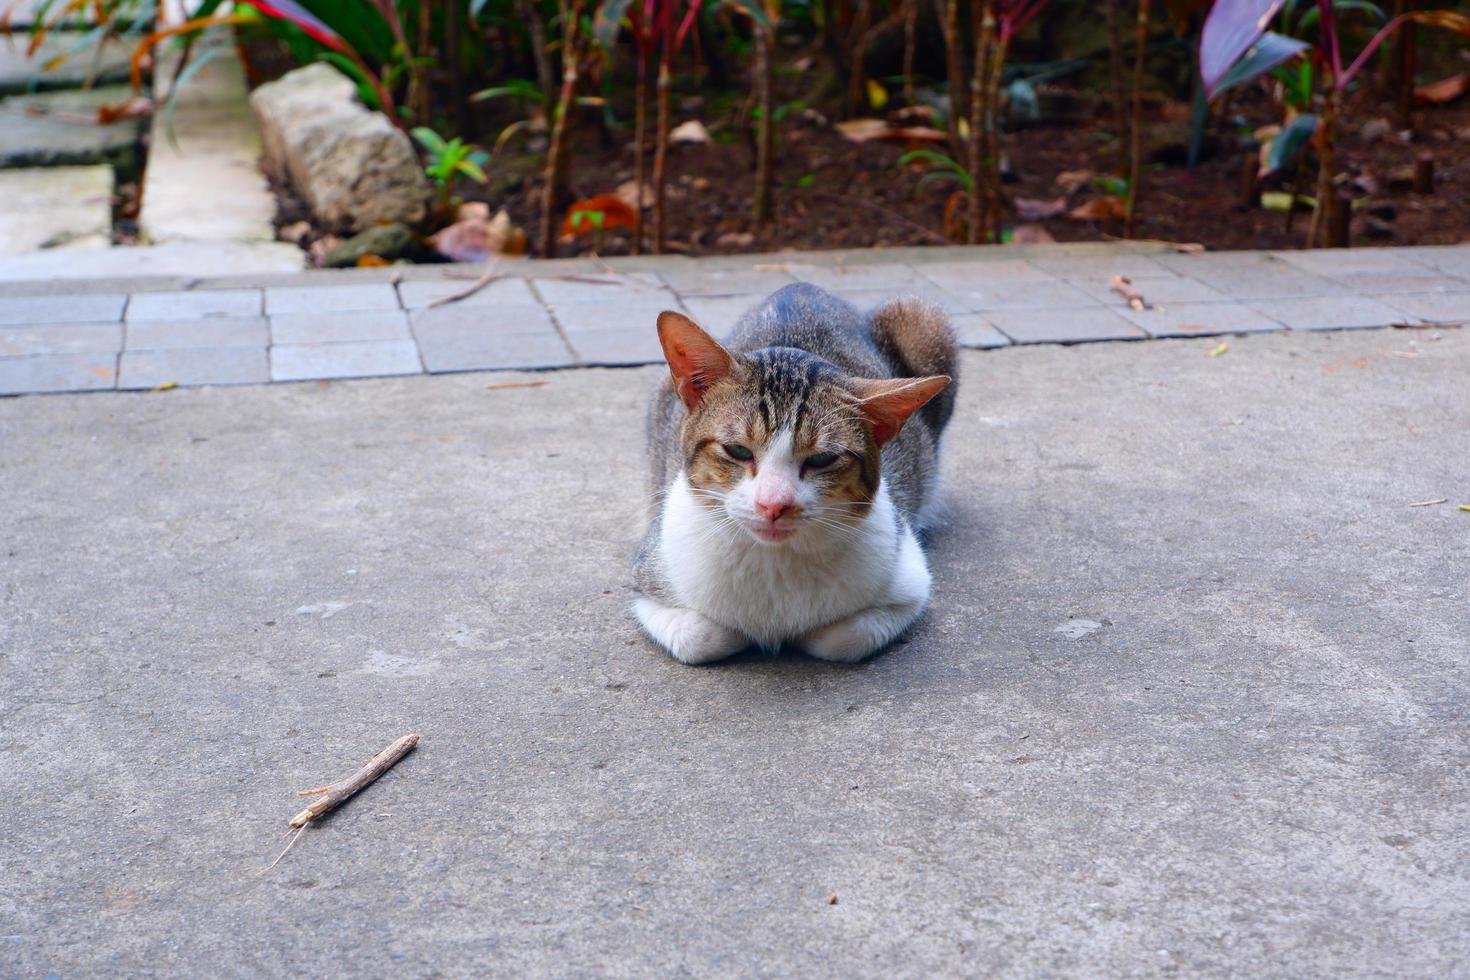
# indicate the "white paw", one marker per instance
pixel 844 642
pixel 690 637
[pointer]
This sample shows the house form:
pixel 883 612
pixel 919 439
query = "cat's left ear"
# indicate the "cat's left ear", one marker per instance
pixel 887 403
pixel 696 359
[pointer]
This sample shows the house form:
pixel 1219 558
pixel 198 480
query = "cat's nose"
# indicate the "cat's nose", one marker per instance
pixel 773 512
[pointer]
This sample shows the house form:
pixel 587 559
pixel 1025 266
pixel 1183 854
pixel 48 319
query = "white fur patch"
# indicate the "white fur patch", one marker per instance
pixel 842 591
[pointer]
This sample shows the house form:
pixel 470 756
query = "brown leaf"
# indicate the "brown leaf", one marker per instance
pixel 135 107
pixel 863 130
pixel 371 261
pixel 1034 209
pixel 1031 235
pixel 1069 180
pixel 580 221
pixel 1444 90
pixel 1105 208
pixel 475 240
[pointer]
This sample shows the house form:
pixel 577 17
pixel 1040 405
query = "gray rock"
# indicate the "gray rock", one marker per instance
pixel 395 241
pixel 73 60
pixel 350 164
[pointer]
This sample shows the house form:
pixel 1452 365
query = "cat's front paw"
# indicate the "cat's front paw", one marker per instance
pixel 690 637
pixel 860 636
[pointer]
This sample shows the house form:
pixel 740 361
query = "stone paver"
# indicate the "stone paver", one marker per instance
pixel 574 312
pixel 75 308
pixel 357 359
pixel 215 331
pixel 180 304
pixel 512 291
pixel 330 328
pixel 142 369
pixel 1434 308
pixel 330 299
pixel 57 372
pixel 1328 312
pixel 1063 326
pixel 455 338
pixel 1199 319
pixel 60 338
pixel 973 330
pixel 48 207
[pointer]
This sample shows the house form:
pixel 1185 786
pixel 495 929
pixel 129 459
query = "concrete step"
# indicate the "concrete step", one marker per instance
pixel 80 62
pixel 48 129
pixel 56 206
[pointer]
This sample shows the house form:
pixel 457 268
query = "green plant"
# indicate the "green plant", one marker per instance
pixel 447 161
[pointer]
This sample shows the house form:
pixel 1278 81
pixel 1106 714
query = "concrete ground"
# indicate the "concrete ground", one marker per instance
pixel 1191 698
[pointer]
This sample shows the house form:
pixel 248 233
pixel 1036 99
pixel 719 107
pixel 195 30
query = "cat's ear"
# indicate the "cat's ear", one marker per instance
pixel 887 403
pixel 696 359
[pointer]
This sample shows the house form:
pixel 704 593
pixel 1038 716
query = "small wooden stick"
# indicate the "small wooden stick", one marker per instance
pixel 340 792
pixel 489 276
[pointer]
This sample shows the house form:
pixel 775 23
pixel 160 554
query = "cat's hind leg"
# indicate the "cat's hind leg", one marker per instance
pixel 689 637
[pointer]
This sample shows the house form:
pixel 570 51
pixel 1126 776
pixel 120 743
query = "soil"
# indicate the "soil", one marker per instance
pixel 834 193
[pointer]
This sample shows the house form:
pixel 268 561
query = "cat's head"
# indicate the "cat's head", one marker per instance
pixel 784 443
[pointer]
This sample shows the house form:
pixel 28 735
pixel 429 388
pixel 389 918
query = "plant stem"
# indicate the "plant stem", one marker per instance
pixel 992 136
pixel 640 145
pixel 766 130
pixel 949 11
pixel 1135 153
pixel 984 15
pixel 1327 163
pixel 536 29
pixel 661 149
pixel 1120 93
pixel 910 32
pixel 554 190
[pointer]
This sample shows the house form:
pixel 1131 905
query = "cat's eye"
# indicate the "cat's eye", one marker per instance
pixel 737 451
pixel 819 461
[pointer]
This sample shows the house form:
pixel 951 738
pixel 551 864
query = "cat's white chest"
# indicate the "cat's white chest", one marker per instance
pixel 778 593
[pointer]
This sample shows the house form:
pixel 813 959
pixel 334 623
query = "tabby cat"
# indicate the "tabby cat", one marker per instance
pixel 794 466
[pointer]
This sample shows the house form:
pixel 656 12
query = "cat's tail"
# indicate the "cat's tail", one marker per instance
pixel 917 338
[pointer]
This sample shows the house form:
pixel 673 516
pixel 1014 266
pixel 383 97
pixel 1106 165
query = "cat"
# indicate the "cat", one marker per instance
pixel 794 467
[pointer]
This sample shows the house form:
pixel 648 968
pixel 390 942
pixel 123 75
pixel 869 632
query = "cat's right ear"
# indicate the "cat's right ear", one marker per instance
pixel 696 360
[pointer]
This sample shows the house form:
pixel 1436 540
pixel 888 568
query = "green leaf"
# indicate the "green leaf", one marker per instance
pixel 1268 52
pixel 1311 17
pixel 806 180
pixel 1289 142
pixel 429 139
pixel 472 168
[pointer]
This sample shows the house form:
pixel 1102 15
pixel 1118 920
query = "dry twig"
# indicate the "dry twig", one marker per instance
pixel 1124 287
pixel 502 385
pixel 333 795
pixel 489 276
pixel 1430 503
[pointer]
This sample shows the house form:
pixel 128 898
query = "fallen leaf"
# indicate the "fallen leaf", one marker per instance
pixel 370 261
pixel 864 130
pixel 1034 209
pixel 627 192
pixel 1031 235
pixel 583 216
pixel 1069 180
pixel 735 239
pixel 475 240
pixel 877 94
pixel 1444 90
pixel 102 372
pixel 692 131
pixel 1222 349
pixel 832 899
pixel 136 107
pixel 1465 507
pixel 165 386
pixel 1109 207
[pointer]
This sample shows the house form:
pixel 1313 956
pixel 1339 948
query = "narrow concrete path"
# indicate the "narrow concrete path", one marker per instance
pixel 138 334
pixel 1191 698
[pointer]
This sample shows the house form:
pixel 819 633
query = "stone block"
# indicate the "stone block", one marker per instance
pixel 352 167
pixel 1329 312
pixel 1431 307
pixel 61 338
pixel 217 366
pixel 58 372
pixel 330 299
pixel 43 208
pixel 202 332
pixel 358 359
pixel 336 328
pixel 418 295
pixel 972 330
pixel 49 129
pixel 1074 326
pixel 1200 319
pixel 24 311
pixel 182 304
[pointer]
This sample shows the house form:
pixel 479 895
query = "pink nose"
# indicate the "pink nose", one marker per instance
pixel 775 511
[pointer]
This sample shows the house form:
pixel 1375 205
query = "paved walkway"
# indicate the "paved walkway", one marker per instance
pixel 140 334
pixel 1191 699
